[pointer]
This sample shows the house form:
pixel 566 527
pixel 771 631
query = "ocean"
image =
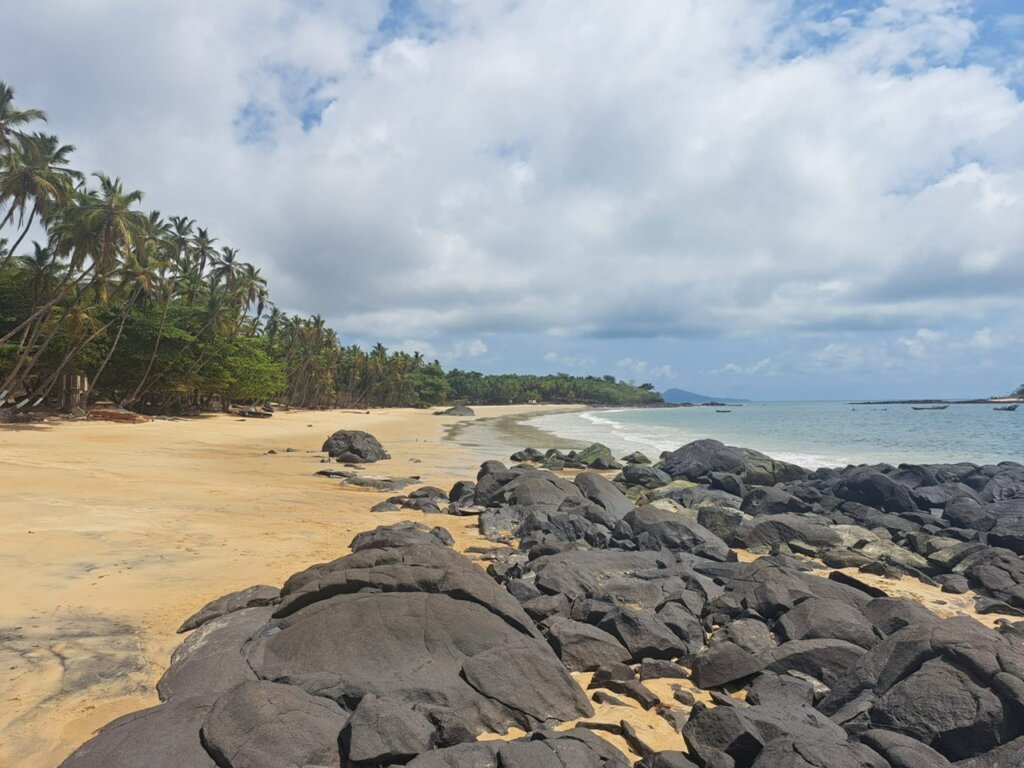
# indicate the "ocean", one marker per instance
pixel 811 434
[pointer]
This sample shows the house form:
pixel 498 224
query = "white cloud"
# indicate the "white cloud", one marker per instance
pixel 470 348
pixel 763 367
pixel 641 369
pixel 571 362
pixel 667 170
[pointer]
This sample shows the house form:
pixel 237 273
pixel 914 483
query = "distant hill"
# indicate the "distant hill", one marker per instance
pixel 683 396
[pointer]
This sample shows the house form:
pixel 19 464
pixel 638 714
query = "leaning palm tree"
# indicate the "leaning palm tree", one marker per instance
pixel 35 178
pixel 12 118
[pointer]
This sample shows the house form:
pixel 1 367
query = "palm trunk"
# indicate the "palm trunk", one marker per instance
pixel 60 295
pixel 152 358
pixel 120 328
pixel 48 385
pixel 10 253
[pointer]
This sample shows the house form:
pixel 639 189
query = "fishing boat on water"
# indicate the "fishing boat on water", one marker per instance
pixel 1012 407
pixel 929 407
pixel 718 410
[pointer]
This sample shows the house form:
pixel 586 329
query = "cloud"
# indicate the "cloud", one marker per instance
pixel 641 369
pixel 571 362
pixel 764 367
pixel 468 349
pixel 458 171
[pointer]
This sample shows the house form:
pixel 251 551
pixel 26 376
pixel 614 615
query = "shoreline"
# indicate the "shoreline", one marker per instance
pixel 138 525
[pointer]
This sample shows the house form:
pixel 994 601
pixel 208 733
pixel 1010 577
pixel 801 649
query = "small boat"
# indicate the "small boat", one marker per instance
pixel 721 411
pixel 1006 408
pixel 929 407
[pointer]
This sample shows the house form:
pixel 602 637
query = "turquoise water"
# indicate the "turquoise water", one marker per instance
pixel 812 434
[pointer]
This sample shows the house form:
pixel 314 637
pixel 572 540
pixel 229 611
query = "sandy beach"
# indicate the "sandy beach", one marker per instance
pixel 112 534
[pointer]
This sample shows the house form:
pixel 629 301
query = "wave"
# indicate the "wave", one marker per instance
pixel 623 437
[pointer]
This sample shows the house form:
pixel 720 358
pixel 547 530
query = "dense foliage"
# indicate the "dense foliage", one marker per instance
pixel 157 314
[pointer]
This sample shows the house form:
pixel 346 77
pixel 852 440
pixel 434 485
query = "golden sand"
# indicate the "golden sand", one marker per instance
pixel 112 534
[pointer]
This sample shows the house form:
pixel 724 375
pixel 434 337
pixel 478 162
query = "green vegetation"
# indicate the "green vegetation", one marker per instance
pixel 157 314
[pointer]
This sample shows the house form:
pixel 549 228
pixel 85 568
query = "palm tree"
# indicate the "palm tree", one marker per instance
pixel 12 118
pixel 35 173
pixel 202 253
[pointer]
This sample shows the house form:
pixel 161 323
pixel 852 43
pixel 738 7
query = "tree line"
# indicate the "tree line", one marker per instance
pixel 155 313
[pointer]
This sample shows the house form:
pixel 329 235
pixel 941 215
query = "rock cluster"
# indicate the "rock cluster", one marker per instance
pixel 402 652
pixel 398 649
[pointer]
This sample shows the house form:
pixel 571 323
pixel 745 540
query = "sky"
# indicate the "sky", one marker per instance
pixel 770 199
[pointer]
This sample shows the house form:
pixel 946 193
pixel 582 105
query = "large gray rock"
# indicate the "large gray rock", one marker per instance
pixel 811 752
pixel 354 446
pixel 253 597
pixel 414 568
pixel 822 618
pixel 385 732
pixel 165 736
pixel 430 651
pixel 773 530
pixel 702 457
pixel 268 725
pixel 583 647
pixel 743 732
pixel 212 660
pixel 667 530
pixel 603 492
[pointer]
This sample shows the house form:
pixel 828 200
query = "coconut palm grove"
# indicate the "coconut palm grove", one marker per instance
pixel 155 313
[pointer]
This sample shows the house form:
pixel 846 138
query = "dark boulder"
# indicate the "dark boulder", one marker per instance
pixel 782 691
pixel 643 476
pixel 772 530
pixel 456 410
pixel 425 649
pixel 728 482
pixel 674 532
pixel 824 660
pixel 583 647
pixel 253 597
pixel 868 486
pixel 743 732
pixel 597 456
pixel 419 567
pixel 401 534
pixel 635 458
pixel 723 663
pixel 211 659
pixel 385 732
pixel 165 736
pixel 811 752
pixel 773 501
pixel 603 492
pixel 822 618
pixel 268 725
pixel 643 633
pixel 904 752
pixel 702 457
pixel 354 446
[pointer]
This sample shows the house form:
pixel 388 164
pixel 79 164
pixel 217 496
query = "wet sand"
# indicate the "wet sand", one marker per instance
pixel 112 534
